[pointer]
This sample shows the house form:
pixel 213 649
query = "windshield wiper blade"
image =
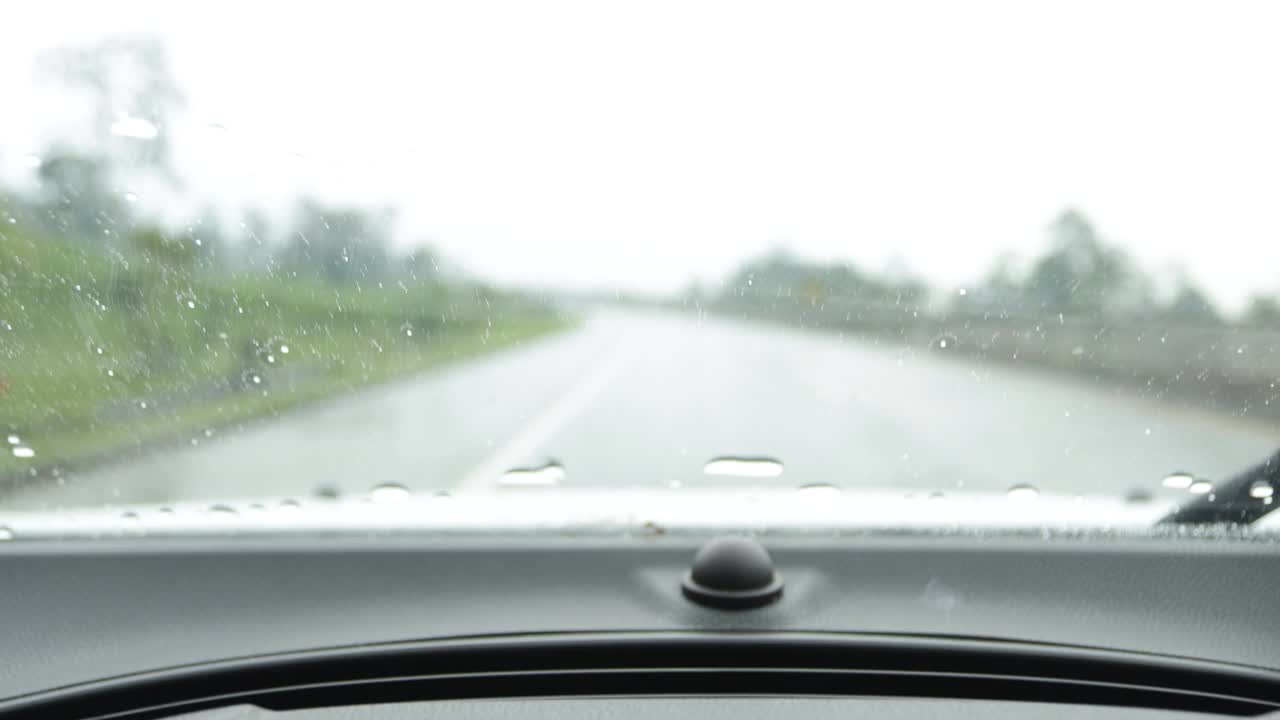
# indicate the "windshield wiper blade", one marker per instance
pixel 1240 500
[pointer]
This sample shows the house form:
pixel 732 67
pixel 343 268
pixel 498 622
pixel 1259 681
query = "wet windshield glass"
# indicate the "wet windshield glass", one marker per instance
pixel 935 263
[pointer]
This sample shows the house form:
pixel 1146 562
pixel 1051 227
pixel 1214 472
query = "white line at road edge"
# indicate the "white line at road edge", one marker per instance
pixel 484 477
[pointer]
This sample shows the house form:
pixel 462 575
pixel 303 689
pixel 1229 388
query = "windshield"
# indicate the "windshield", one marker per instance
pixel 979 264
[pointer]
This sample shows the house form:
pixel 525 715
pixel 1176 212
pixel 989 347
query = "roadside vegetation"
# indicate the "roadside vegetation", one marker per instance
pixel 122 327
pixel 1082 306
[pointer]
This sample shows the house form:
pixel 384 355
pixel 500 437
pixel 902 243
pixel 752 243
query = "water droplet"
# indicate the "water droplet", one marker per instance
pixel 290 504
pixel 131 196
pixel 326 492
pixel 753 467
pixel 963 291
pixel 5 533
pixel 819 490
pixel 389 492
pixel 111 373
pixel 549 473
pixel 284 349
pixel 1022 492
pixel 134 127
pixel 191 304
pixel 14 439
pixel 22 451
pixel 1178 480
pixel 271 359
pixel 1139 495
pixel 222 510
pixel 943 342
pixel 1200 487
pixel 1261 489
pixel 130 517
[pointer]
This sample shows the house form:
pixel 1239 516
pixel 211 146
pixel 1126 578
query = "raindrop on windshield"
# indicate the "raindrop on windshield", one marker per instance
pixel 1261 489
pixel 1200 487
pixel 14 439
pixel 1178 480
pixel 1139 495
pixel 22 451
pixel 943 342
pixel 550 473
pixel 1022 492
pixel 819 490
pixel 751 467
pixel 389 492
pixel 134 127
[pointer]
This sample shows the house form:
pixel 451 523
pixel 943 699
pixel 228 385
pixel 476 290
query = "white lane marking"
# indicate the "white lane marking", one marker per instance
pixel 484 477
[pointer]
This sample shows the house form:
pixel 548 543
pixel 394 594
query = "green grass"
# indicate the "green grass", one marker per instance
pixel 87 337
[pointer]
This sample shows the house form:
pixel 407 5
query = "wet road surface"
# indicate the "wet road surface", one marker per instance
pixel 645 399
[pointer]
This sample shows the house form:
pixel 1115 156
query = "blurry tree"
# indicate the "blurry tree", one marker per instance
pixel 1263 310
pixel 1000 292
pixel 1079 275
pixel 132 96
pixel 422 264
pixel 339 245
pixel 1191 305
pixel 255 244
pixel 208 241
pixel 76 198
pixel 169 253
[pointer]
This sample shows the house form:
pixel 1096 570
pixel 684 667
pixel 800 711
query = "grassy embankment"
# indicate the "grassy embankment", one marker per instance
pixel 102 353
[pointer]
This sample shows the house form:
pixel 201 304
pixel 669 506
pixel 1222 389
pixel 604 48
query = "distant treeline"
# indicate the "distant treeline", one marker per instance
pixel 1078 276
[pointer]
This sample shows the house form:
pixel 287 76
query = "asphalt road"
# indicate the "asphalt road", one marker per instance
pixel 646 399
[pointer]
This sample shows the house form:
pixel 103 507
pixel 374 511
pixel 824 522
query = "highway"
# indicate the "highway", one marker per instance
pixel 646 399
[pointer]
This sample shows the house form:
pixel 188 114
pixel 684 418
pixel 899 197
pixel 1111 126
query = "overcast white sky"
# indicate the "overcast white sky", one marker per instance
pixel 646 143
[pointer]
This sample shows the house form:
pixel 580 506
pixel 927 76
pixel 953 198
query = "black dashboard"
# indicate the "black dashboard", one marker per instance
pixel 883 625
